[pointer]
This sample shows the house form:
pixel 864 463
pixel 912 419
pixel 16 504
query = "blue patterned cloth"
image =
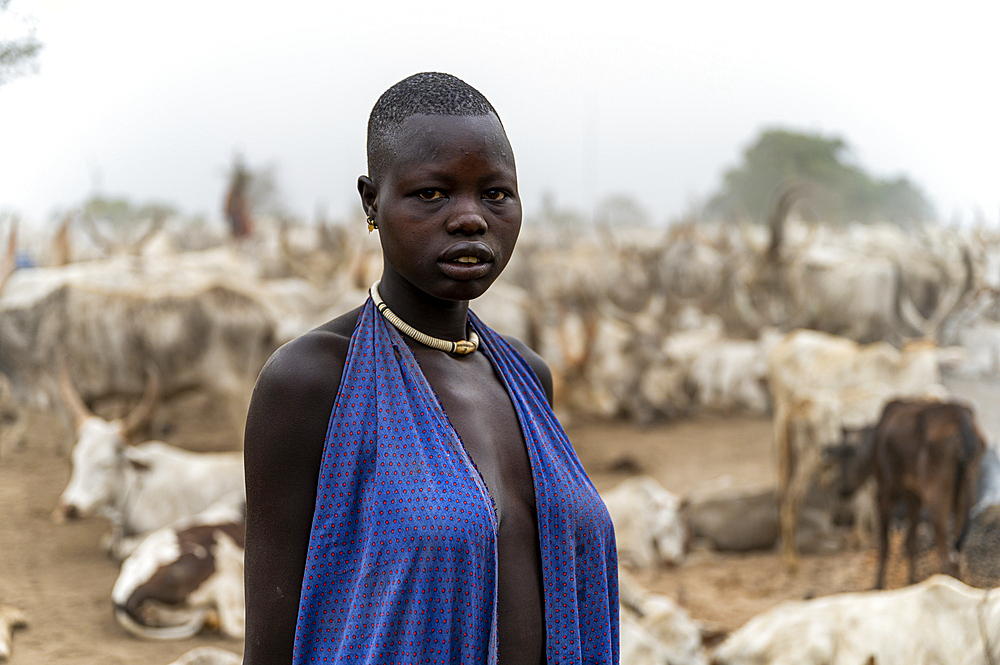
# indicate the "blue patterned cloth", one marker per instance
pixel 402 561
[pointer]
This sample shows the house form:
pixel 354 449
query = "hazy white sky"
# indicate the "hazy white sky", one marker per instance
pixel 654 100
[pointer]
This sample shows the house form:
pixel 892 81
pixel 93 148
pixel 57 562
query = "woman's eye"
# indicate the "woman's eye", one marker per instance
pixel 495 194
pixel 430 194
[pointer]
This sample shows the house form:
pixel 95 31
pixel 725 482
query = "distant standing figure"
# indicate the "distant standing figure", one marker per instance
pixel 237 201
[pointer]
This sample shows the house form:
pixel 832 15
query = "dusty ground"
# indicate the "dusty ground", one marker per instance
pixel 60 578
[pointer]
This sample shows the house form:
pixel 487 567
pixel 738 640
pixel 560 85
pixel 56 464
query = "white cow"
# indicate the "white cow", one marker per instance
pixel 807 360
pixel 209 656
pixel 939 620
pixel 649 530
pixel 139 488
pixel 654 629
pixel 731 374
pixel 202 318
pixel 179 575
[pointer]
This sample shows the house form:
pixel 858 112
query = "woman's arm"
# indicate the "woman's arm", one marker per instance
pixel 283 449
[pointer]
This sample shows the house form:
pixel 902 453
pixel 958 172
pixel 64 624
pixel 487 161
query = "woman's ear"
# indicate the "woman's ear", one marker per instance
pixel 369 195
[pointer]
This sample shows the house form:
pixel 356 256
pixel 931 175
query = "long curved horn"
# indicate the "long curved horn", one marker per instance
pixel 748 243
pixel 785 196
pixel 954 297
pixel 9 261
pixel 930 327
pixel 60 242
pixel 140 415
pixel 907 312
pixel 744 308
pixel 95 234
pixel 155 224
pixel 293 263
pixel 72 398
pixel 572 361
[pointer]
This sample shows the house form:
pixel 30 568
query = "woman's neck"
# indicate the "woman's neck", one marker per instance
pixel 445 319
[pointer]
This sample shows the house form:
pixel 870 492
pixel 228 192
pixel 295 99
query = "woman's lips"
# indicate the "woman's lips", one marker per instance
pixel 467 260
pixel 463 268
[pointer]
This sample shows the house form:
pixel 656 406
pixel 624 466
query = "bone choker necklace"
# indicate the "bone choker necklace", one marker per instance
pixel 461 347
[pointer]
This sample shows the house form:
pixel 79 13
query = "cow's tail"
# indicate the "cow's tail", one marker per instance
pixel 183 631
pixel 967 470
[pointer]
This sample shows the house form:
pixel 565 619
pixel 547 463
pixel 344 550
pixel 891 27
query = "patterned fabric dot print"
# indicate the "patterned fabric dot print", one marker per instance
pixel 402 560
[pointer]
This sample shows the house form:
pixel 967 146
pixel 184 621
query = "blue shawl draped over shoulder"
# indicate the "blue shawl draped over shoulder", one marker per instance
pixel 402 559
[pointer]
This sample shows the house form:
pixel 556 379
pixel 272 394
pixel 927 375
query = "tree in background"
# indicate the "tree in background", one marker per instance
pixel 842 191
pixel 19 55
pixel 120 212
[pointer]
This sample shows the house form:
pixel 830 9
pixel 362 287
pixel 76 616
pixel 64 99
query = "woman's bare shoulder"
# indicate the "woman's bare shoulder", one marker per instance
pixel 298 385
pixel 309 364
pixel 536 363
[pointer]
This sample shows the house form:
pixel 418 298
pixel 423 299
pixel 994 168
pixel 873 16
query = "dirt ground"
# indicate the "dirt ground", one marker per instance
pixel 58 575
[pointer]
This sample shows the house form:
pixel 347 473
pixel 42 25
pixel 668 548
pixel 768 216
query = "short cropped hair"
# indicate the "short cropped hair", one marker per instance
pixel 427 93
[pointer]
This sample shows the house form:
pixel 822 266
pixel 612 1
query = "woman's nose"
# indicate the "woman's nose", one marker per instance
pixel 467 218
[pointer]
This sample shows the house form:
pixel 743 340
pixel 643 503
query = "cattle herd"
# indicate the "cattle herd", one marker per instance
pixel 844 336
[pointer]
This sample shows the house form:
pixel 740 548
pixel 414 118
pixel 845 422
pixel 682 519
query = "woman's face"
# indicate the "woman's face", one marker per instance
pixel 447 206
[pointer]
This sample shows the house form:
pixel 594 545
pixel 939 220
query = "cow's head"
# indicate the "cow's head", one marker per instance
pixel 101 457
pixel 98 477
pixel 853 458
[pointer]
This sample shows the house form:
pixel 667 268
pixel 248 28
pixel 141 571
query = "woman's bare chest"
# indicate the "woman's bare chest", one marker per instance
pixel 480 410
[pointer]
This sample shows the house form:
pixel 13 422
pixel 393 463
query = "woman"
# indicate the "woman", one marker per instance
pixel 410 495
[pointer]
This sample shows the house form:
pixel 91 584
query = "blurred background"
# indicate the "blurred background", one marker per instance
pixel 699 181
pixel 652 105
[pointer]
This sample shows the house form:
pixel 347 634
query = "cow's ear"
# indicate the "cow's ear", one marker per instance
pixel 711 633
pixel 138 466
pixel 136 461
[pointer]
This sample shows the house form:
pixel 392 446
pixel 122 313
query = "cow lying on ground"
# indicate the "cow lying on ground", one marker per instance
pixel 746 519
pixel 648 528
pixel 979 561
pixel 209 656
pixel 10 618
pixel 939 620
pixel 655 629
pixel 980 554
pixel 139 488
pixel 182 575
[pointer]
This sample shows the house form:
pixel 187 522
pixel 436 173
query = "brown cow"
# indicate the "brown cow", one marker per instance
pixel 182 575
pixel 926 453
